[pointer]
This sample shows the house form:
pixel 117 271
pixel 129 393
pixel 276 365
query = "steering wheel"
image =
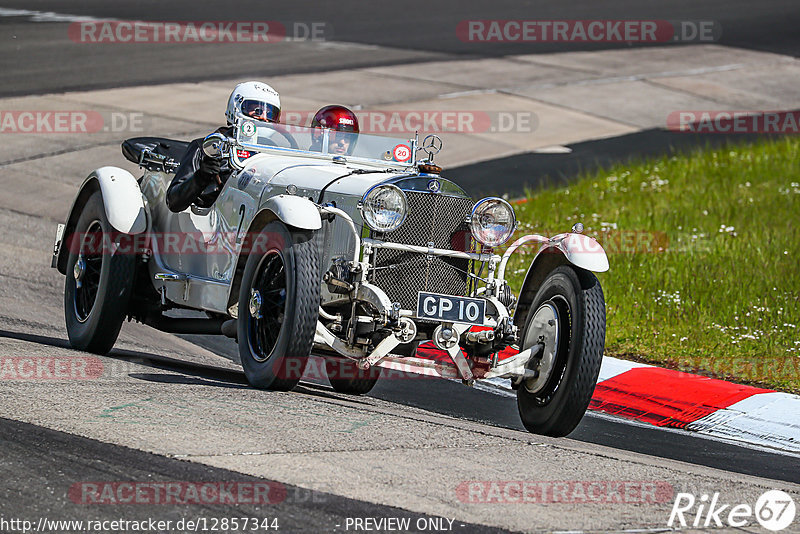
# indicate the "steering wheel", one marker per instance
pixel 281 129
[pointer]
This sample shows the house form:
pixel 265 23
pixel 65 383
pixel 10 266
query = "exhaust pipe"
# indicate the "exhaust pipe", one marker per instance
pixel 175 325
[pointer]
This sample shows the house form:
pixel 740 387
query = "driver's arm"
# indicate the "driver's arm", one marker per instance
pixel 195 173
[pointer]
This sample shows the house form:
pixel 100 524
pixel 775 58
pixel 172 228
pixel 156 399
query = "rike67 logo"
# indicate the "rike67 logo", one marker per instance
pixel 774 510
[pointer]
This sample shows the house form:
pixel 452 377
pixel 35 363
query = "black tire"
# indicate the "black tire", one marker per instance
pixel 345 376
pixel 94 312
pixel 554 403
pixel 284 269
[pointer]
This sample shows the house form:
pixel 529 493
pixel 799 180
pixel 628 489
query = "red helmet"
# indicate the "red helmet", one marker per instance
pixel 337 119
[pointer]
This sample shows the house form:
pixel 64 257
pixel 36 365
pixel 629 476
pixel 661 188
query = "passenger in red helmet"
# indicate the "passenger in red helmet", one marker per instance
pixel 343 126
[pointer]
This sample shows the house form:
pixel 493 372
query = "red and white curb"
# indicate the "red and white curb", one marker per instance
pixel 667 398
pixel 707 406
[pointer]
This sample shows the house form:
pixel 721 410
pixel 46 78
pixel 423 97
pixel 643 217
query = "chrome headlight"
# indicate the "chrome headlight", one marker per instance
pixel 492 221
pixel 384 207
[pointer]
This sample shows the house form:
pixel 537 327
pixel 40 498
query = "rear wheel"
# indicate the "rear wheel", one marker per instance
pixel 98 283
pixel 345 376
pixel 278 307
pixel 567 317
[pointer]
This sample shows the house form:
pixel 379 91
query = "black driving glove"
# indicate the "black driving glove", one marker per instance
pixel 209 169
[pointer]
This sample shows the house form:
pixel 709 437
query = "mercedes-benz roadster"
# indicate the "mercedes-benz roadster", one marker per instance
pixel 357 258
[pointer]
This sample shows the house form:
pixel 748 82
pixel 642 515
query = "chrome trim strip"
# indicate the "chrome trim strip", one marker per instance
pixel 425 250
pixel 501 273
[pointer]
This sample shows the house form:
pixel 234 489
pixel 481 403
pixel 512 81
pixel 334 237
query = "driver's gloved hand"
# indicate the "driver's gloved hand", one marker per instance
pixel 209 169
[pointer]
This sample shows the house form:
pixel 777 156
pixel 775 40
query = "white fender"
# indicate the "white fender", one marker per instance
pixel 294 211
pixel 580 250
pixel 122 199
pixel 583 251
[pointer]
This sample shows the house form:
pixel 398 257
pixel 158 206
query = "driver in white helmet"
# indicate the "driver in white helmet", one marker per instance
pixel 199 178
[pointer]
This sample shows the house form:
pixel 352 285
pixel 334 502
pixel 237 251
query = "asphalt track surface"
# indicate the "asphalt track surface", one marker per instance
pixel 33 56
pixel 43 59
pixel 481 406
pixel 38 461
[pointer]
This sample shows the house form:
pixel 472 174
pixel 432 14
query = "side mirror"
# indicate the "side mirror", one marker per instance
pixel 216 145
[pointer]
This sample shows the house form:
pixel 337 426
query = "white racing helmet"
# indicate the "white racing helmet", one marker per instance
pixel 254 99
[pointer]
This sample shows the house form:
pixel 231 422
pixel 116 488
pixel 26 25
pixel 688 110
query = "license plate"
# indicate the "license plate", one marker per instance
pixel 451 309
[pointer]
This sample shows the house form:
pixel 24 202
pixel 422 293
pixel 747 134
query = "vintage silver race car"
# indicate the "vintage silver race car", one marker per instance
pixel 355 257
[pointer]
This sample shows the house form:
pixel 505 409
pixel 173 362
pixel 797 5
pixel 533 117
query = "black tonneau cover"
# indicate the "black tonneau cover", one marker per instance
pixel 155 153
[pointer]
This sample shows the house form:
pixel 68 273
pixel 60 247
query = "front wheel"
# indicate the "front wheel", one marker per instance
pixel 568 318
pixel 278 307
pixel 98 284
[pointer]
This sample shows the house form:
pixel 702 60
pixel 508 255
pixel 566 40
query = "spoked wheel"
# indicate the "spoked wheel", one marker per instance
pixel 278 307
pixel 98 282
pixel 267 304
pixel 86 271
pixel 567 318
pixel 345 376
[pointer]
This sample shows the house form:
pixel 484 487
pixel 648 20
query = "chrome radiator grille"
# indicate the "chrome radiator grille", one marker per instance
pixel 432 218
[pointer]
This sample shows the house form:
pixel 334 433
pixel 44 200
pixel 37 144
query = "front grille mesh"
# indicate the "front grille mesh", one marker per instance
pixel 432 218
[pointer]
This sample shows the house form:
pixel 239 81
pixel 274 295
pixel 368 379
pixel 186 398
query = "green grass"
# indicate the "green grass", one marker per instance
pixel 703 250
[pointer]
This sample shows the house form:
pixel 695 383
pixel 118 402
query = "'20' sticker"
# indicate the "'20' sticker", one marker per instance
pixel 402 153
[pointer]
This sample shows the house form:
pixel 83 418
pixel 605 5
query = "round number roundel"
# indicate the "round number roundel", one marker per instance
pixel 402 153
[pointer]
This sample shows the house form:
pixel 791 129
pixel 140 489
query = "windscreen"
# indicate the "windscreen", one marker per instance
pixel 259 136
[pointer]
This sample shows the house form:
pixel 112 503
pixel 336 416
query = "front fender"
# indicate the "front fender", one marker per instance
pixel 583 251
pixel 575 249
pixel 122 201
pixel 294 211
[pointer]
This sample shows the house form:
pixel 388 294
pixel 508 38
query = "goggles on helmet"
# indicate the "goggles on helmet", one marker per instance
pixel 261 110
